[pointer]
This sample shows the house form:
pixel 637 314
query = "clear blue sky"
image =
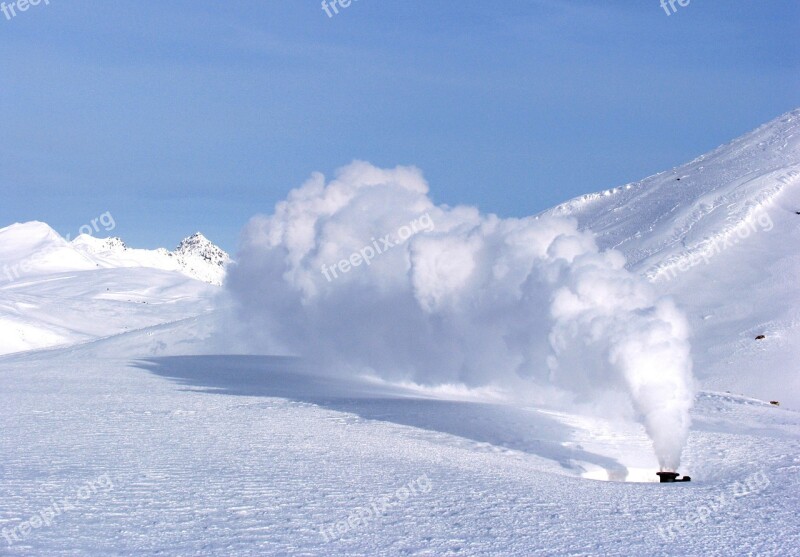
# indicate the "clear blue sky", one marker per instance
pixel 187 115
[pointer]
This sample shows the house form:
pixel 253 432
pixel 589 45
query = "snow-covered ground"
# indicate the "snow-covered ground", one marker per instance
pixel 128 428
pixel 222 455
pixel 54 292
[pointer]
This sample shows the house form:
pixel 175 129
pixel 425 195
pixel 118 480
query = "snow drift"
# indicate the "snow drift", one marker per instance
pixel 367 274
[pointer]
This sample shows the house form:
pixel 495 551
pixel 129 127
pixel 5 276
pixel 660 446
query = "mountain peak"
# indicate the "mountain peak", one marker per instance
pixel 195 256
pixel 96 245
pixel 198 246
pixel 196 237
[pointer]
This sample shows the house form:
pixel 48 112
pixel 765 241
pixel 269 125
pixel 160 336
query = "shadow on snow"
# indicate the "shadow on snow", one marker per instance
pixel 503 426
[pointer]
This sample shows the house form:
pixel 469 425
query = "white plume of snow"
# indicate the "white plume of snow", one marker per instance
pixel 473 298
pixel 606 316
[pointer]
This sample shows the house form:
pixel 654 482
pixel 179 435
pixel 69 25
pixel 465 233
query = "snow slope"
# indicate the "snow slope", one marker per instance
pixel 34 248
pixel 53 292
pixel 163 442
pixel 661 220
pixel 77 307
pixel 718 234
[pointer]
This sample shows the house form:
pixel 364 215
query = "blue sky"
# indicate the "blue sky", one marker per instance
pixel 194 115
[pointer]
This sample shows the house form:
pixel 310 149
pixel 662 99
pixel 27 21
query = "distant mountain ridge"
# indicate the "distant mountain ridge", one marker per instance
pixel 33 248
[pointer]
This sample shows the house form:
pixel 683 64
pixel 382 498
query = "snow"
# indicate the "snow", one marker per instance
pixel 720 242
pixel 56 292
pixel 78 307
pixel 195 256
pixel 224 455
pixel 33 248
pixel 118 394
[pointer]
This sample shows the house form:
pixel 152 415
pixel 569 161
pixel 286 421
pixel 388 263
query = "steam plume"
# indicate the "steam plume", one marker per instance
pixel 366 273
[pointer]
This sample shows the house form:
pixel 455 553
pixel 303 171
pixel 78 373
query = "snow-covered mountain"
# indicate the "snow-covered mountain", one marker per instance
pixel 54 292
pixel 33 248
pixel 195 256
pixel 198 257
pixel 719 235
pixel 665 220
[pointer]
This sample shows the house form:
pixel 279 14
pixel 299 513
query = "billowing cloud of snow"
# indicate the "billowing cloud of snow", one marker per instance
pixel 367 274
